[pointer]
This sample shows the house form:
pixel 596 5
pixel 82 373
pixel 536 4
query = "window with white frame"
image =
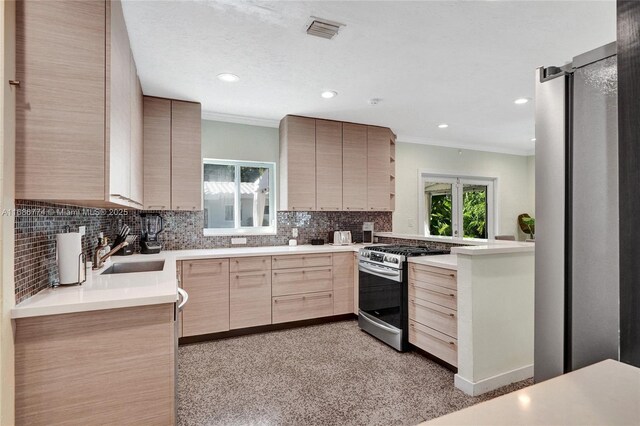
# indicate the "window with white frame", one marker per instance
pixel 239 197
pixel 457 206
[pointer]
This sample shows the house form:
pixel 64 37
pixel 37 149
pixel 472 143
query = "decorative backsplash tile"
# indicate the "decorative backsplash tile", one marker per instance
pixel 37 224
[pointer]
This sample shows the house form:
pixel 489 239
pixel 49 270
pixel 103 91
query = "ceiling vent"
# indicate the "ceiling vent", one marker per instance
pixel 323 28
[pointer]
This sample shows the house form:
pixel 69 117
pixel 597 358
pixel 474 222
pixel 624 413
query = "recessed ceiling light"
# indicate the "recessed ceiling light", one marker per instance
pixel 533 139
pixel 328 94
pixel 521 101
pixel 443 125
pixel 227 77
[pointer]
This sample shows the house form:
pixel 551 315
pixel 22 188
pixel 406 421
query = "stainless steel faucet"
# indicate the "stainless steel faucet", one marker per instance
pixel 98 261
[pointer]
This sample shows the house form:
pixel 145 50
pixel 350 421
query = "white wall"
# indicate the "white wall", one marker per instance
pixel 513 184
pixel 230 141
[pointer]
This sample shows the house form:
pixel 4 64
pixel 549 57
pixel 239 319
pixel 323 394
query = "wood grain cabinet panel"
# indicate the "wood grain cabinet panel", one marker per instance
pixel 250 292
pixel 343 277
pixel 301 261
pixel 186 156
pixel 433 293
pixel 298 163
pixel 302 306
pixel 113 366
pixel 301 280
pixel 378 168
pixel 207 283
pixel 60 104
pixel 434 316
pixel 328 165
pixel 157 153
pixel 354 167
pixel 435 276
pixel 137 139
pixel 119 82
pixel 436 343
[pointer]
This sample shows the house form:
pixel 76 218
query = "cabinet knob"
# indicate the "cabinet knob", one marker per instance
pixel 14 82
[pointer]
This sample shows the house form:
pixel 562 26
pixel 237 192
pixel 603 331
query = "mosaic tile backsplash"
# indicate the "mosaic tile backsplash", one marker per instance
pixel 37 223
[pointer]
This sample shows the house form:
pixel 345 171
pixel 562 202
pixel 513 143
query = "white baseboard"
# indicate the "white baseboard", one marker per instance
pixel 495 382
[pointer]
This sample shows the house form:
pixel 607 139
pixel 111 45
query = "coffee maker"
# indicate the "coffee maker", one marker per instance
pixel 150 226
pixel 367 232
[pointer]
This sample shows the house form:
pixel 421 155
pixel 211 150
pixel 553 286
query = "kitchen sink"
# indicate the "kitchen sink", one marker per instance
pixel 130 267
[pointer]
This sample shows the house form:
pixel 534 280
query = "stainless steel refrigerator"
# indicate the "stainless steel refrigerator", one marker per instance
pixel 577 234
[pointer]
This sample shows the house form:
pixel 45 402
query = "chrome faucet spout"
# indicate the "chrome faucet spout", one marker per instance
pixel 99 261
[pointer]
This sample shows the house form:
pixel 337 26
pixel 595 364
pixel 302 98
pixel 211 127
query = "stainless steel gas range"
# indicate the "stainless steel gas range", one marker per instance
pixel 383 291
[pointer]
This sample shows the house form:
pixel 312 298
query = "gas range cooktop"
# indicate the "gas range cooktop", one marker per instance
pixel 408 251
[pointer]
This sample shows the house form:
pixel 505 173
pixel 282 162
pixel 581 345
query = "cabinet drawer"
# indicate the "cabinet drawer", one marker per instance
pixel 434 293
pixel 206 268
pixel 438 317
pixel 246 264
pixel 434 342
pixel 436 276
pixel 304 280
pixel 300 261
pixel 250 299
pixel 302 306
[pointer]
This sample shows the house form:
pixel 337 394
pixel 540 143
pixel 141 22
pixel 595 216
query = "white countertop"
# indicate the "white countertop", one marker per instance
pixel 496 247
pixel 447 261
pixel 142 288
pixel 606 393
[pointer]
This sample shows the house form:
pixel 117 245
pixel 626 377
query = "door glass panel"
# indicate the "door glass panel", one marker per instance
pixel 438 213
pixel 219 195
pixel 254 197
pixel 474 211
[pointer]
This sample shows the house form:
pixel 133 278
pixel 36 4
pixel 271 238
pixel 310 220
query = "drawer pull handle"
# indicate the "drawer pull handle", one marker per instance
pixel 322 296
pixel 433 310
pixel 252 275
pixel 432 336
pixel 413 269
pixel 434 291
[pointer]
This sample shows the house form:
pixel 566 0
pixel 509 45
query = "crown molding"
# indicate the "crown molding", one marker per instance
pixel 239 119
pixel 460 145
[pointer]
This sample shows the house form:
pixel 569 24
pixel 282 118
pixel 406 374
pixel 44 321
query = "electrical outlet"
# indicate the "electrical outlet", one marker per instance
pixel 238 241
pixel 294 232
pixel 82 230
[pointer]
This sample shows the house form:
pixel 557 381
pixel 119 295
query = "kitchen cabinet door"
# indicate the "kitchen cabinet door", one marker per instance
pixel 343 276
pixel 328 165
pixel 250 292
pixel 157 153
pixel 137 142
pixel 60 103
pixel 298 163
pixel 207 283
pixel 119 130
pixel 378 168
pixel 354 167
pixel 186 156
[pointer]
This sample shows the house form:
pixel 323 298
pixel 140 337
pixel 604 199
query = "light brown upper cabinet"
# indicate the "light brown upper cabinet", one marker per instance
pixel 172 155
pixel 157 153
pixel 354 167
pixel 333 166
pixel 297 163
pixel 73 114
pixel 186 156
pixel 378 168
pixel 137 138
pixel 328 165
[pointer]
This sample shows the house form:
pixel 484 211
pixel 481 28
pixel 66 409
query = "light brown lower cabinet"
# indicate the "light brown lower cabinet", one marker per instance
pixel 433 315
pixel 301 280
pixel 302 306
pixel 250 292
pixel 343 278
pixel 114 366
pixel 207 283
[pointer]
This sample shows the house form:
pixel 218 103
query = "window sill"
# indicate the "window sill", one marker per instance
pixel 238 232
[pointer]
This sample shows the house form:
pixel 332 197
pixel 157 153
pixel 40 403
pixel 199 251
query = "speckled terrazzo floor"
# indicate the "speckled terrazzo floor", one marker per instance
pixel 332 374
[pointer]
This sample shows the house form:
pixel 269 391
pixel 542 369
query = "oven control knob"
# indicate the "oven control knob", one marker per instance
pixel 391 259
pixel 365 254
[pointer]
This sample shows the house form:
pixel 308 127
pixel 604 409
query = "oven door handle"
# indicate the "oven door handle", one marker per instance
pixel 378 324
pixel 385 272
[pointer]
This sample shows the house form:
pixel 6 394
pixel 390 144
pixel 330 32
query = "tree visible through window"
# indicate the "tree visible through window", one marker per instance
pixel 238 197
pixel 451 202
